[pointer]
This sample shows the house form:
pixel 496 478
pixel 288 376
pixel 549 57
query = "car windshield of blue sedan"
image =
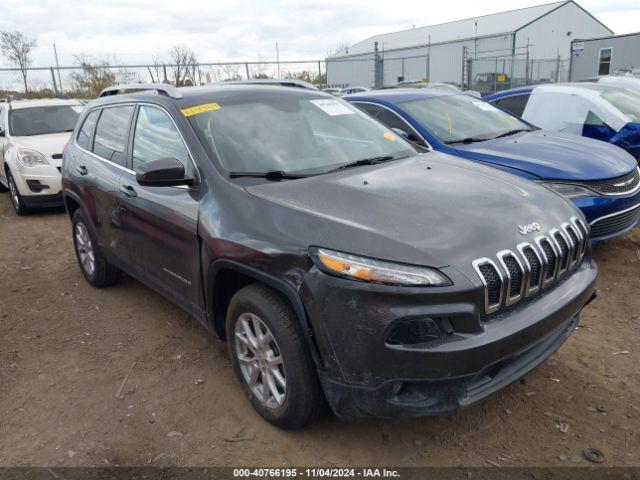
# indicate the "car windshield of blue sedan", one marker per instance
pixel 627 101
pixel 294 134
pixel 463 118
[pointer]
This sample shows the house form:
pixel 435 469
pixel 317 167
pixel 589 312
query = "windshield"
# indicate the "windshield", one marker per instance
pixel 626 101
pixel 42 120
pixel 293 133
pixel 453 118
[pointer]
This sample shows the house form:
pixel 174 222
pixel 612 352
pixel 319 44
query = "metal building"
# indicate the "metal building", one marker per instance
pixel 604 56
pixel 503 43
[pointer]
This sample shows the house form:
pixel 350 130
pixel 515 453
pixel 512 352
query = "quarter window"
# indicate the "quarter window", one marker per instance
pixel 604 63
pixel 156 137
pixel 85 135
pixel 111 134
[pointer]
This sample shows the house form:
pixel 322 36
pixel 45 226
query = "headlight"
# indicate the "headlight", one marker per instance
pixel 31 158
pixel 569 190
pixel 377 271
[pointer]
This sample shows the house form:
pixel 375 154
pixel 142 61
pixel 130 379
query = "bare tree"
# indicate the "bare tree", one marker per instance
pixel 17 49
pixel 156 71
pixel 184 62
pixel 93 77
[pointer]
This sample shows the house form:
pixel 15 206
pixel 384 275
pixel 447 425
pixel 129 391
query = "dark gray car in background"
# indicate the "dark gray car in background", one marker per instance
pixel 339 263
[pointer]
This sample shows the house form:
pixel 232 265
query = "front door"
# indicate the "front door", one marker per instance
pixel 162 222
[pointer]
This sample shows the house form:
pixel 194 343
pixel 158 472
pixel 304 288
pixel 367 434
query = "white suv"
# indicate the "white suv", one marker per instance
pixel 32 136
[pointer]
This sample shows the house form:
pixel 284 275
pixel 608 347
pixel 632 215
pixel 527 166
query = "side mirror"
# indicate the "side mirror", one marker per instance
pixel 1 132
pixel 164 172
pixel 401 133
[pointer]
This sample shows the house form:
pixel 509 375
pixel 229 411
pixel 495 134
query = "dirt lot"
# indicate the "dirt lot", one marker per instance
pixel 66 347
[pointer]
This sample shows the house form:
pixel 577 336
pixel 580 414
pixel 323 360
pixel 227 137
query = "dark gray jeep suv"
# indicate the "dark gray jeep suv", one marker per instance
pixel 341 265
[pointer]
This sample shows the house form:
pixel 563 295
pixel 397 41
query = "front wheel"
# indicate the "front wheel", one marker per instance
pixel 271 359
pixel 16 198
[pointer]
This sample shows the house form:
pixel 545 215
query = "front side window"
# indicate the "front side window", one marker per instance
pixel 513 103
pixel 456 118
pixel 85 135
pixel 156 137
pixel 31 121
pixel 604 62
pixel 112 131
pixel 392 120
pixel 300 133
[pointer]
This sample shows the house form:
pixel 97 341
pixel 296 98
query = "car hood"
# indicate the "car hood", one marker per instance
pixel 551 155
pixel 432 209
pixel 50 144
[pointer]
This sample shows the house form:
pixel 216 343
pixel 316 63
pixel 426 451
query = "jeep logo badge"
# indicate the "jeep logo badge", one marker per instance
pixel 532 227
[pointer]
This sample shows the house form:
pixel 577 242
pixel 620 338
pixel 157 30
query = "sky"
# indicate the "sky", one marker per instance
pixel 136 31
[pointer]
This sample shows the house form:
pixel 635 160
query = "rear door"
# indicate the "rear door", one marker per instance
pixel 162 221
pixel 97 172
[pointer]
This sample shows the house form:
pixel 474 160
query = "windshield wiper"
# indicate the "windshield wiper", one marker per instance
pixel 512 132
pixel 466 140
pixel 364 161
pixel 270 175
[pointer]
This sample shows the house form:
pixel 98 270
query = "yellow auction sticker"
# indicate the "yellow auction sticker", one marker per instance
pixel 207 107
pixel 390 136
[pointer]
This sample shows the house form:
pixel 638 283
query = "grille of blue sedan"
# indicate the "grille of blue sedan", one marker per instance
pixel 518 274
pixel 616 186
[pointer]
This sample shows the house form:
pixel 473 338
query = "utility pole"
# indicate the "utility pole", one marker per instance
pixel 55 87
pixel 55 53
pixel 278 59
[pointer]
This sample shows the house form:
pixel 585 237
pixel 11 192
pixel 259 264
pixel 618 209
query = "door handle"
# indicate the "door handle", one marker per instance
pixel 82 170
pixel 128 190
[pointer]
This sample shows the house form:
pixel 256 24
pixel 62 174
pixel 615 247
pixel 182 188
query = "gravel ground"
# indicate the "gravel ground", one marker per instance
pixel 67 350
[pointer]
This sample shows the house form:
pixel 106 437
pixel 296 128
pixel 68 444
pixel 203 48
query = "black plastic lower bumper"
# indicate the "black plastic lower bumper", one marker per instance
pixel 43 201
pixel 420 398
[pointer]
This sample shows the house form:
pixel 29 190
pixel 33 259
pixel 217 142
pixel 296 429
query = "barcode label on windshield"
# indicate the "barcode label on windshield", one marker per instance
pixel 333 107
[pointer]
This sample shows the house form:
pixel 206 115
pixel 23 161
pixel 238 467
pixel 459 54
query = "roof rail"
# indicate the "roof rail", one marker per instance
pixel 285 82
pixel 161 88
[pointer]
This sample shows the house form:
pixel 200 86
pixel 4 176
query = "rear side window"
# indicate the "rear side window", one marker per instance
pixel 514 104
pixel 85 135
pixel 111 134
pixel 156 137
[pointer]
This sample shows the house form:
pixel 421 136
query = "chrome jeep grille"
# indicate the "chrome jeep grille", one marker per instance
pixel 531 267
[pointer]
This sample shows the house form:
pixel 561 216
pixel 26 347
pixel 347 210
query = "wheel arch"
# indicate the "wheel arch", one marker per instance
pixel 225 277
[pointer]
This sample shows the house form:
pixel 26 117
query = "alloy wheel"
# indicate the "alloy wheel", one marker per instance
pixel 15 196
pixel 260 360
pixel 85 249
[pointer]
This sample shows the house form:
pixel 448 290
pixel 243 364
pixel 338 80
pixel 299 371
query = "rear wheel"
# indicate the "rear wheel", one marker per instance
pixel 16 198
pixel 271 359
pixel 95 267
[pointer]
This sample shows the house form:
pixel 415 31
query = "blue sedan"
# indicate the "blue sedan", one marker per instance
pixel 601 179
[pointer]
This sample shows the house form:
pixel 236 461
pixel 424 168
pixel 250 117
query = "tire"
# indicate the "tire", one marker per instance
pixel 16 198
pixel 301 400
pixel 94 266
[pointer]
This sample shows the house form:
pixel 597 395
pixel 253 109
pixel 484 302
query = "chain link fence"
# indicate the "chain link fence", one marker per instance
pixel 87 80
pixel 486 74
pixel 494 74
